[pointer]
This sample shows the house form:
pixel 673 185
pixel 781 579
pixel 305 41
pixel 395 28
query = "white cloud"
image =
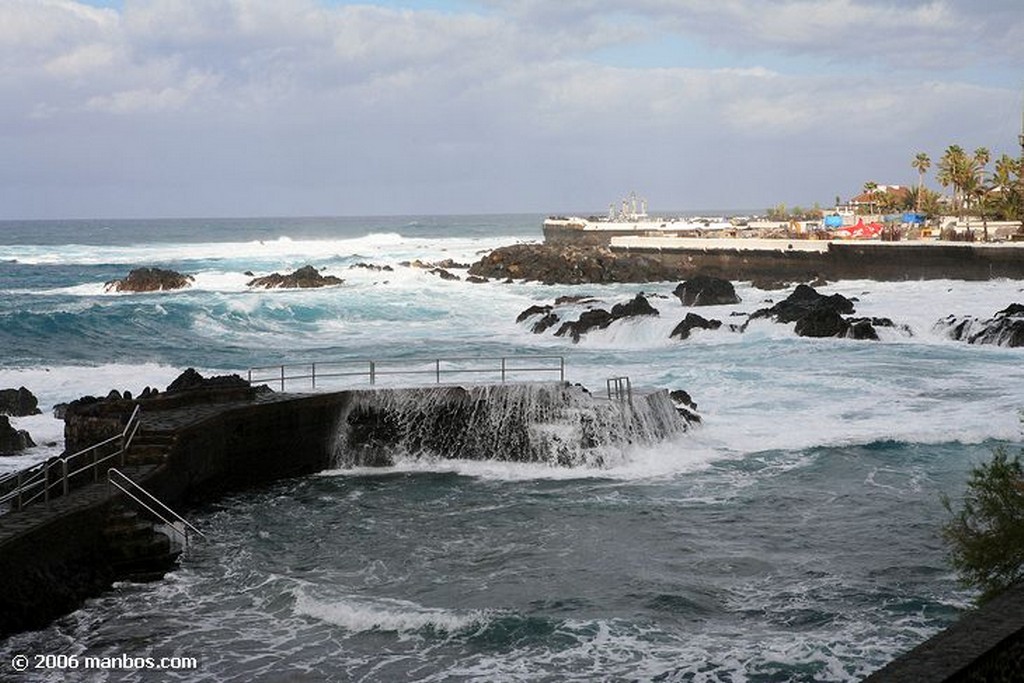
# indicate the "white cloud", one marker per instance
pixel 298 102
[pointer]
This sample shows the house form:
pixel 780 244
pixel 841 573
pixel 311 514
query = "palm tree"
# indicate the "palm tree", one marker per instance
pixel 954 171
pixel 922 163
pixel 979 189
pixel 870 187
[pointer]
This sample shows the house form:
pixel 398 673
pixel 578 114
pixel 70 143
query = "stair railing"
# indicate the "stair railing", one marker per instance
pixel 148 501
pixel 38 482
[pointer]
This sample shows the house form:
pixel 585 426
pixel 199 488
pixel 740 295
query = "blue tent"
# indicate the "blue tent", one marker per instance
pixel 833 221
pixel 912 217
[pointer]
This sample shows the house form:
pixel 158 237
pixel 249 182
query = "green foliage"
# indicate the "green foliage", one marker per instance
pixel 986 537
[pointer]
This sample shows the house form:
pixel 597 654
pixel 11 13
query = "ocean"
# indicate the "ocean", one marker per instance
pixel 793 536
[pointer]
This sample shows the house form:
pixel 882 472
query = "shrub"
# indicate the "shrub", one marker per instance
pixel 986 537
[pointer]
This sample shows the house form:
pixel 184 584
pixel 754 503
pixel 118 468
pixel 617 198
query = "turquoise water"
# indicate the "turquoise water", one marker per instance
pixel 792 537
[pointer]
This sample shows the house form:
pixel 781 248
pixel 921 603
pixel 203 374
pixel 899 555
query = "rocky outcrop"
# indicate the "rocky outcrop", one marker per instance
pixel 817 315
pixel 560 264
pixel 444 274
pixel 150 280
pixel 18 402
pixel 705 290
pixel 598 318
pixel 191 380
pixel 685 406
pixel 13 440
pixel 692 321
pixel 1005 328
pixel 306 277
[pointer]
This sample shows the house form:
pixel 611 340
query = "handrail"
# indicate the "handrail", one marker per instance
pixel 40 475
pixel 153 499
pixel 619 389
pixel 499 366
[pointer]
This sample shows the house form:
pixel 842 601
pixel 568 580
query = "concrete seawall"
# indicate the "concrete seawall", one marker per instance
pixel 53 557
pixel 198 446
pixel 806 259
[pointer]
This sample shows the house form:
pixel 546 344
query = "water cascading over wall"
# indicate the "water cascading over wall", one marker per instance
pixel 553 423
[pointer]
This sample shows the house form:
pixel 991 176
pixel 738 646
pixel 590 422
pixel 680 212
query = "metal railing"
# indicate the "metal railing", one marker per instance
pixel 58 475
pixel 619 389
pixel 432 370
pixel 151 503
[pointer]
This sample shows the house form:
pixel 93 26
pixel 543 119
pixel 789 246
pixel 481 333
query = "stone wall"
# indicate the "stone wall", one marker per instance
pixel 985 645
pixel 844 261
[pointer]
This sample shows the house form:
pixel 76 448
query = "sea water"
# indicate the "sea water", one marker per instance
pixel 793 536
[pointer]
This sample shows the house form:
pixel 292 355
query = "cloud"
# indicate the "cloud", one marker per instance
pixel 300 106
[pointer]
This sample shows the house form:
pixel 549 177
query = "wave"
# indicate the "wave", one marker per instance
pixel 358 614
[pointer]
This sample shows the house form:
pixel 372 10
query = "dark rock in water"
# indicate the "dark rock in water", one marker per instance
pixel 150 280
pixel 588 320
pixel 476 280
pixel 803 301
pixel 13 440
pixel 705 290
pixel 862 329
pixel 638 305
pixel 685 406
pixel 18 402
pixel 545 323
pixel 821 322
pixel 564 264
pixel 444 274
pixel 573 299
pixel 693 321
pixel 817 315
pixel 305 277
pixel 190 379
pixel 531 311
pixel 1005 328
pixel 599 318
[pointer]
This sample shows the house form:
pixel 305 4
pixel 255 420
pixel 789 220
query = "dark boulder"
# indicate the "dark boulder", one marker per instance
pixel 821 322
pixel 533 310
pixel 599 318
pixel 693 321
pixel 190 380
pixel 685 406
pixel 476 279
pixel 705 290
pixel 596 318
pixel 306 277
pixel 1005 328
pixel 150 280
pixel 444 274
pixel 545 323
pixel 18 402
pixel 13 440
pixel 638 305
pixel 563 264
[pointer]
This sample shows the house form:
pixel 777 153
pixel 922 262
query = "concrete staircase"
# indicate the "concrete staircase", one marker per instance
pixel 137 548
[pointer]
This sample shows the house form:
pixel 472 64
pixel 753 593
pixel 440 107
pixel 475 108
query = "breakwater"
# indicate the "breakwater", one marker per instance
pixel 808 259
pixel 196 446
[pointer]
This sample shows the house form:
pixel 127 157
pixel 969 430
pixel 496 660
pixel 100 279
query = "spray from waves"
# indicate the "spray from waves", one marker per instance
pixel 550 423
pixel 358 614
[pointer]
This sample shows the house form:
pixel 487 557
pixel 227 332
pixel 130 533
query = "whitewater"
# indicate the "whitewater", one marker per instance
pixel 793 536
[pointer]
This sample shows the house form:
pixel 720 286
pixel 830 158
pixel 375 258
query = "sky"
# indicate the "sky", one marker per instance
pixel 209 108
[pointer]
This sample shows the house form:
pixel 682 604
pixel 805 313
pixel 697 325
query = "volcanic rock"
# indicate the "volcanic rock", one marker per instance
pixel 18 402
pixel 705 290
pixel 444 274
pixel 13 440
pixel 562 264
pixel 545 323
pixel 533 310
pixel 1005 328
pixel 600 318
pixel 817 315
pixel 190 379
pixel 150 280
pixel 693 321
pixel 304 278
